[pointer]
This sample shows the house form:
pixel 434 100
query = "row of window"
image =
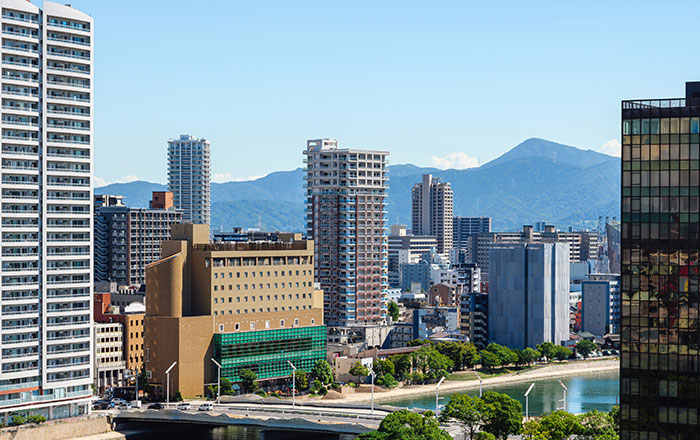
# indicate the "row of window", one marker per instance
pixel 260 286
pixel 260 310
pixel 252 274
pixel 260 298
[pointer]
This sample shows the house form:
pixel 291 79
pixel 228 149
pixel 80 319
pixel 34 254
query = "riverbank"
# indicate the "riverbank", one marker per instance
pixel 83 428
pixel 534 374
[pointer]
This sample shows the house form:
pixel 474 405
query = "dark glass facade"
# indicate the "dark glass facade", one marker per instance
pixel 660 322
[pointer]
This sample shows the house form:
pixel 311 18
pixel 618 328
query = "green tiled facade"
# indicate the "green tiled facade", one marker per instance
pixel 267 351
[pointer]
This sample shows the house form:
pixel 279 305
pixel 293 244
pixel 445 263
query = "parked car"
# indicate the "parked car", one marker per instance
pixel 124 406
pixel 135 404
pixel 206 406
pixel 156 406
pixel 184 406
pixel 102 405
pixel 118 401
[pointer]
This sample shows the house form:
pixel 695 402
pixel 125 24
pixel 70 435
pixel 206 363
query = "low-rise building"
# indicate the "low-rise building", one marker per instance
pixel 109 356
pixel 600 304
pixel 247 305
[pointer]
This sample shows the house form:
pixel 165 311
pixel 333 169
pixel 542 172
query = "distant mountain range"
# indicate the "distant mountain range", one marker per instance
pixel 536 180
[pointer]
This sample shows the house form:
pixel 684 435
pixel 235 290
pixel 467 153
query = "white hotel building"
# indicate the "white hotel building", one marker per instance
pixel 46 262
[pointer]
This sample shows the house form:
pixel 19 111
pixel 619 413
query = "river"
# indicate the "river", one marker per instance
pixel 585 393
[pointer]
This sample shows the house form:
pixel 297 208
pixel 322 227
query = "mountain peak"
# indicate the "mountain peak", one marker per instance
pixel 560 153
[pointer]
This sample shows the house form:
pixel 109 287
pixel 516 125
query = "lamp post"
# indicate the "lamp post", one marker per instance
pixel 563 400
pixel 294 381
pixel 527 402
pixel 167 384
pixel 218 382
pixel 371 372
pixel 481 382
pixel 437 394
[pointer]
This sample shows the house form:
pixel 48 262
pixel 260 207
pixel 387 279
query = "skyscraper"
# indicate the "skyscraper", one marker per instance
pixel 465 232
pixel 660 313
pixel 189 175
pixel 529 294
pixel 346 217
pixel 46 214
pixel 432 211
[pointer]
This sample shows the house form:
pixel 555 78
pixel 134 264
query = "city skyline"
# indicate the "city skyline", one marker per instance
pixel 426 61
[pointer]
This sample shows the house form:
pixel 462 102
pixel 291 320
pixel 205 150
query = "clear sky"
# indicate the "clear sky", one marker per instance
pixel 447 83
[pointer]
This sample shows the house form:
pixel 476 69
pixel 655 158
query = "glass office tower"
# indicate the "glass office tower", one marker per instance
pixel 660 302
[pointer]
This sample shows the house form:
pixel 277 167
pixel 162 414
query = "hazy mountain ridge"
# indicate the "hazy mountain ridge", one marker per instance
pixel 536 180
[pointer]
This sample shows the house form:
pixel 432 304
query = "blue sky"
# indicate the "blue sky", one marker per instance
pixel 441 83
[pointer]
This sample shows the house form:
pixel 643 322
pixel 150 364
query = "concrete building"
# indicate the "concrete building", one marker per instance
pixel 432 211
pixel 46 234
pixel 529 294
pixel 247 305
pixel 346 216
pixel 131 319
pixel 127 239
pixel 405 248
pixel 465 231
pixel 189 176
pixel 583 245
pixel 600 304
pixel 109 356
pixel 474 317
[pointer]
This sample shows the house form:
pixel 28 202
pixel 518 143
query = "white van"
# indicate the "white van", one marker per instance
pixel 206 406
pixel 135 404
pixel 184 406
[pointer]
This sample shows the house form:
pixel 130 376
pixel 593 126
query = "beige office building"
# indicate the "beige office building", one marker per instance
pixel 247 305
pixel 432 211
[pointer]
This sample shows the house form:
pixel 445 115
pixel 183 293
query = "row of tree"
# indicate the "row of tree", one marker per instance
pixel 496 416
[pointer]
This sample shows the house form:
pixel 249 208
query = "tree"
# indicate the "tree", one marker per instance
pixel 402 365
pixel 489 360
pixel 454 351
pixel 393 310
pixel 384 367
pixel 406 425
pixel 471 355
pixel 559 425
pixel 417 342
pixel 359 370
pixel 596 425
pixel 481 435
pixel 503 415
pixel 465 410
pixel 389 381
pixel 585 347
pixel 561 353
pixel 143 381
pixel 530 355
pixel 505 355
pixel 178 396
pixel 431 363
pixel 249 381
pixel 322 371
pixel 226 386
pixel 302 380
pixel 547 350
pixel 615 416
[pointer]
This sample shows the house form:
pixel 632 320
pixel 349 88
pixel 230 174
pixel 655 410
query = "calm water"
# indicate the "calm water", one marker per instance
pixel 585 393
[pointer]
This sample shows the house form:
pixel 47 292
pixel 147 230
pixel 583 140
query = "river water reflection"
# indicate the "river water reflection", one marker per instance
pixel 585 393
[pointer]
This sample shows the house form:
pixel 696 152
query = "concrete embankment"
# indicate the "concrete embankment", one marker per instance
pixel 83 428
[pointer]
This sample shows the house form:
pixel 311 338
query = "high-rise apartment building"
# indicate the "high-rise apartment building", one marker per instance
pixel 346 217
pixel 432 211
pixel 127 239
pixel 46 233
pixel 465 231
pixel 405 248
pixel 189 177
pixel 247 305
pixel 660 313
pixel 529 294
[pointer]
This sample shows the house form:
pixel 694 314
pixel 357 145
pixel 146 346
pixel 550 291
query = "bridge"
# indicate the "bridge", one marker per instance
pixel 275 420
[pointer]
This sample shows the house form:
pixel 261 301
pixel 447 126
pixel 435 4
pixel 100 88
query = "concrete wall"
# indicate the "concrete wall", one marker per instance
pixel 58 430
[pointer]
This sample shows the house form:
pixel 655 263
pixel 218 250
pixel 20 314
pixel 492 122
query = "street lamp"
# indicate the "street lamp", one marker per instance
pixel 437 394
pixel 527 402
pixel 565 388
pixel 371 372
pixel 218 383
pixel 481 382
pixel 167 385
pixel 294 381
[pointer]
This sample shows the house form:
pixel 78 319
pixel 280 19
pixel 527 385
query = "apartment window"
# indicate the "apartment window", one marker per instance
pixel 238 299
pixel 216 288
pixel 238 274
pixel 216 300
pixel 230 299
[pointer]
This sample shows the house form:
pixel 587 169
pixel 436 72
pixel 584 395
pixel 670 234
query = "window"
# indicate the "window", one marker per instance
pixel 296 322
pixel 221 328
pixel 267 324
pixel 237 326
pixel 281 322
pixel 313 321
pixel 252 325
